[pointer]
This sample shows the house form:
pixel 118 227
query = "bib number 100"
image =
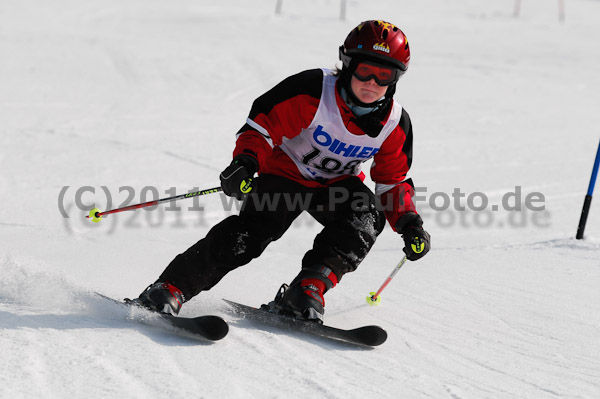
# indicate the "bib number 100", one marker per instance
pixel 329 165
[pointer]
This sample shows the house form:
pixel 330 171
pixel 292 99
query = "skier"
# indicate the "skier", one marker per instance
pixel 306 138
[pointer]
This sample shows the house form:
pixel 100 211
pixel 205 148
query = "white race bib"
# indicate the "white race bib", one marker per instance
pixel 326 149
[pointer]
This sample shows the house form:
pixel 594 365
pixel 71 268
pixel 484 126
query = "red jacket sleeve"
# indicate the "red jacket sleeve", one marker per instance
pixel 281 112
pixel 389 170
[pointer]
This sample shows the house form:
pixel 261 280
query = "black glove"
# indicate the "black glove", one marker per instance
pixel 417 241
pixel 236 179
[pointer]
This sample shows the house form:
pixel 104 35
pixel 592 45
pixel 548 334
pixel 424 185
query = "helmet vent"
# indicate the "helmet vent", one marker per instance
pixel 384 34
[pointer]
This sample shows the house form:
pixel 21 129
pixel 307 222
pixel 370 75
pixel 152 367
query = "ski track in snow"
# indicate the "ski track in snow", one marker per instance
pixel 143 93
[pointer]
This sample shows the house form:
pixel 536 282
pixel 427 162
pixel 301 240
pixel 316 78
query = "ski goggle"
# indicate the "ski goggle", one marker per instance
pixel 383 75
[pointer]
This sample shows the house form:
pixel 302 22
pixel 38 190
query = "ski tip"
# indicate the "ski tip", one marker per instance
pixel 218 328
pixel 371 335
pixel 236 305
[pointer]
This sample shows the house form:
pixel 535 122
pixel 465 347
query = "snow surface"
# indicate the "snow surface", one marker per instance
pixel 109 94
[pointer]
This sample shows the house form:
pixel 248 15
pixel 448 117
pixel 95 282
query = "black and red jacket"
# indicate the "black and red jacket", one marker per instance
pixel 289 107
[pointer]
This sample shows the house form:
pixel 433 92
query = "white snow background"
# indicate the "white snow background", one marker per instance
pixel 113 94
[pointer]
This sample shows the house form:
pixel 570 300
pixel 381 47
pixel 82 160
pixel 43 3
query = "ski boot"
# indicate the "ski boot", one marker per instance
pixel 303 298
pixel 162 297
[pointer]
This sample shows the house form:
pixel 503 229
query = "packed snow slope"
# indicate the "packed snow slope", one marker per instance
pixel 112 102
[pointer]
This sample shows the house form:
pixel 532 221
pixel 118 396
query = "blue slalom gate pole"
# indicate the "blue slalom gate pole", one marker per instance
pixel 588 198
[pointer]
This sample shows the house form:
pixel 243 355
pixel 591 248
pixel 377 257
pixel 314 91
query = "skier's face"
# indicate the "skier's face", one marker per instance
pixel 367 92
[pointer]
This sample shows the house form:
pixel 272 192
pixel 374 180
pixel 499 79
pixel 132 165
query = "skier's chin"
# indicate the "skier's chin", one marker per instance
pixel 368 96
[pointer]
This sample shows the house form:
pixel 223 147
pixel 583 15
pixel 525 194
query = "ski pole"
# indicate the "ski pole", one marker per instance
pixel 588 198
pixel 374 298
pixel 96 215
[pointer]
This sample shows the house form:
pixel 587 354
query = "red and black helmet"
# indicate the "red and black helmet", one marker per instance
pixel 378 41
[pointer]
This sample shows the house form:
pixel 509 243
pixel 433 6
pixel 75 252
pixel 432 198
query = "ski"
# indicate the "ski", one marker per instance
pixel 212 328
pixel 365 336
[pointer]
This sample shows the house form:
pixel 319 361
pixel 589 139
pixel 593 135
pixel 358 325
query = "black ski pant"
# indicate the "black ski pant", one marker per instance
pixel 347 210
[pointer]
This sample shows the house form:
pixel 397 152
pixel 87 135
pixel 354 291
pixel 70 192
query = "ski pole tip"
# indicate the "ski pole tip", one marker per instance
pixel 95 215
pixel 372 301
